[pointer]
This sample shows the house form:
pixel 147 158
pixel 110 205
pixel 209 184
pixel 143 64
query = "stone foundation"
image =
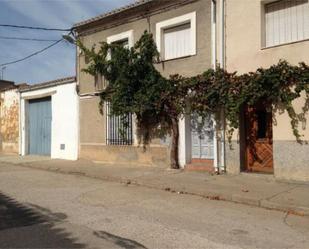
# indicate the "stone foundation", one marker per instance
pixel 232 160
pixel 291 160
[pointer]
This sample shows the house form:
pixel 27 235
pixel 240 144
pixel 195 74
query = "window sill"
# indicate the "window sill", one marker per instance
pixel 120 145
pixel 285 44
pixel 177 58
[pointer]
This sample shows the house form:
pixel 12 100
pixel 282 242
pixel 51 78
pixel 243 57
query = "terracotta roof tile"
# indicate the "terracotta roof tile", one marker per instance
pixel 51 83
pixel 113 12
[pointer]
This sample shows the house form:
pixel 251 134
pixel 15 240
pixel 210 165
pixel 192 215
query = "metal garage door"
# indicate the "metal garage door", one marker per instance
pixel 40 116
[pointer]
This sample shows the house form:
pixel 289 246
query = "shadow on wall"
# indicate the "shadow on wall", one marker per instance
pixel 27 227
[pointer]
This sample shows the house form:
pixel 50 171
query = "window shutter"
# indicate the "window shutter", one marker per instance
pixel 177 41
pixel 286 21
pixel 306 19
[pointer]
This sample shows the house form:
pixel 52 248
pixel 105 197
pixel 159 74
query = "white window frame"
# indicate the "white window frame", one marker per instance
pixel 174 22
pixel 122 36
pixel 114 38
pixel 264 45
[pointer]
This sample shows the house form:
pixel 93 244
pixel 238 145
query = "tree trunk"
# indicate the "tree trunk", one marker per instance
pixel 174 145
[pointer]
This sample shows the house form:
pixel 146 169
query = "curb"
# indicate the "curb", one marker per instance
pixel 301 211
pixel 235 198
pixel 246 200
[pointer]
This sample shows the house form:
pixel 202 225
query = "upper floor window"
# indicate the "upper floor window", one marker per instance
pixel 123 43
pixel 286 21
pixel 124 39
pixel 177 42
pixel 176 37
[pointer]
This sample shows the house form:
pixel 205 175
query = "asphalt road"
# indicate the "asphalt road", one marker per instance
pixel 40 209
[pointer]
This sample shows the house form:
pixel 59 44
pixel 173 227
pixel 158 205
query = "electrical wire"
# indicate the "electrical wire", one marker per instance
pixel 26 39
pixel 33 54
pixel 30 27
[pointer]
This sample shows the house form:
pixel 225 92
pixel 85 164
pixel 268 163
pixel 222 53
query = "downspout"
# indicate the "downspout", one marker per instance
pixel 78 96
pixel 20 125
pixel 222 64
pixel 214 64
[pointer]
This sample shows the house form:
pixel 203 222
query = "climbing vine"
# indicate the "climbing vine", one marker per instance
pixel 136 86
pixel 277 86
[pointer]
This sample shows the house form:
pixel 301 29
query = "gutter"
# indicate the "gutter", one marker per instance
pixel 218 50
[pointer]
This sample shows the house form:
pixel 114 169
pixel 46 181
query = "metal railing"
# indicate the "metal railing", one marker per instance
pixel 119 130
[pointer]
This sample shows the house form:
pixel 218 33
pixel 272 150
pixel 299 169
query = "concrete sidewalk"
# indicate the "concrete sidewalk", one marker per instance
pixel 251 189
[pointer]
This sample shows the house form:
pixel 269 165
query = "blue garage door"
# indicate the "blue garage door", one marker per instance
pixel 40 116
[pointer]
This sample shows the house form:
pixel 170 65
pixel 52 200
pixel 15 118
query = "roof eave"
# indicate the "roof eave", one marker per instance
pixel 48 84
pixel 100 18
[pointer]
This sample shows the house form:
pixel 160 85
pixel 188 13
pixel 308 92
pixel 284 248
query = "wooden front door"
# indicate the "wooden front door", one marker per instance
pixel 259 148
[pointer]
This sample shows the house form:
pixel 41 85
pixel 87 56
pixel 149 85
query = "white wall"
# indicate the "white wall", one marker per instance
pixel 64 120
pixel 185 147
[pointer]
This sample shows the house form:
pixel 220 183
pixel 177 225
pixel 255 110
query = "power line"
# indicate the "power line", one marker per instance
pixel 30 27
pixel 31 55
pixel 26 39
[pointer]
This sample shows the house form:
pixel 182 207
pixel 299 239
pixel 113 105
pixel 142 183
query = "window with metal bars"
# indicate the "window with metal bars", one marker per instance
pixel 119 128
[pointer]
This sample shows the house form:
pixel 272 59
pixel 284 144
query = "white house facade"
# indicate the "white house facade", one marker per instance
pixel 49 119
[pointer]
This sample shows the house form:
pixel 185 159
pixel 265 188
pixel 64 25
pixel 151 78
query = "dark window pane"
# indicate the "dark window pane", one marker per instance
pixel 262 124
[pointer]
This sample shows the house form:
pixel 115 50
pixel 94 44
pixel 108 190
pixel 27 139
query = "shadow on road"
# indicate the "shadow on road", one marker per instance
pixel 28 227
pixel 121 242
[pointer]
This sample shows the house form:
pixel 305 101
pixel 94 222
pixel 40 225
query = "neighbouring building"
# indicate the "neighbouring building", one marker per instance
pixel 49 119
pixel 259 34
pixel 9 117
pixel 4 84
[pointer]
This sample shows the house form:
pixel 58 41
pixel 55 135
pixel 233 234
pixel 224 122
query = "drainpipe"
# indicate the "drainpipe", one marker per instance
pixel 20 133
pixel 222 64
pixel 214 63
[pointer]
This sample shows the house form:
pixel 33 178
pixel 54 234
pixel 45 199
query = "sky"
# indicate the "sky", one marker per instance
pixel 56 62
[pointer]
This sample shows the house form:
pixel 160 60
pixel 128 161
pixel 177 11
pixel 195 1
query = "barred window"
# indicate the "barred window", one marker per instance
pixel 119 128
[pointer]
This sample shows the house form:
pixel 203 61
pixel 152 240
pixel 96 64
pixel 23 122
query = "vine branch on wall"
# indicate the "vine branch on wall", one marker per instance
pixel 136 86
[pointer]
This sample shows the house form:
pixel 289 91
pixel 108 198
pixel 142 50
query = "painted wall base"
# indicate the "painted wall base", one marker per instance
pixel 291 160
pixel 232 153
pixel 153 156
pixel 10 147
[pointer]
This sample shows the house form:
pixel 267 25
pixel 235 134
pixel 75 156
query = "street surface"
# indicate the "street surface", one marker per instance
pixel 40 209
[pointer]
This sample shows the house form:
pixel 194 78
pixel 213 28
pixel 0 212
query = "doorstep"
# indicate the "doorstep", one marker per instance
pixel 206 165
